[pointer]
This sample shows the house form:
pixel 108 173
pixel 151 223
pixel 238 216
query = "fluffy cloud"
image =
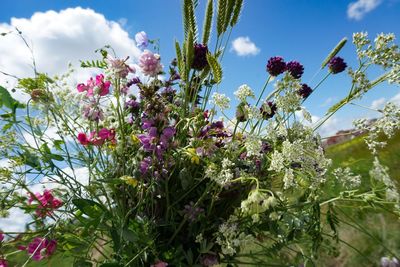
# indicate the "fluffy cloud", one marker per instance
pixel 378 103
pixel 395 99
pixel 243 46
pixel 357 10
pixel 57 39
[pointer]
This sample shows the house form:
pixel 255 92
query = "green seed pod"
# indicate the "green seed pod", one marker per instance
pixel 334 52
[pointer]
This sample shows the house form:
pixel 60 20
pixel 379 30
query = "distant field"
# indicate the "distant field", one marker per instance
pixel 380 229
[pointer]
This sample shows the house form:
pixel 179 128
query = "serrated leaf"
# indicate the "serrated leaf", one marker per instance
pixel 208 21
pixel 215 68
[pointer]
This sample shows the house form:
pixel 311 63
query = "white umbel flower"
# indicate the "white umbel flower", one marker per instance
pixel 243 92
pixel 221 101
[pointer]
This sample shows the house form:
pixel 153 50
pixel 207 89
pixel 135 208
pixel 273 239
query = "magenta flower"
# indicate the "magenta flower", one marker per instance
pixel 82 138
pixel 41 248
pixel 1 236
pixel 103 135
pixel 141 40
pixel 103 86
pixel 99 85
pixel 3 263
pixel 47 203
pixel 150 63
pixel 159 264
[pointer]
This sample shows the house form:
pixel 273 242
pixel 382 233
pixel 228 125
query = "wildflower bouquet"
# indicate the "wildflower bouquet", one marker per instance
pixel 154 178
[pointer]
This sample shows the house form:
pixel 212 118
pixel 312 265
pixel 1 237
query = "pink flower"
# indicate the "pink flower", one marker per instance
pixel 104 86
pixel 1 236
pixel 3 263
pixel 159 264
pixel 150 63
pixel 92 86
pixel 41 248
pixel 47 203
pixel 82 138
pixel 120 68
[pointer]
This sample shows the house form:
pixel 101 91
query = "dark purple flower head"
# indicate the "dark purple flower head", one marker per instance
pixel 295 69
pixel 266 147
pixel 209 260
pixel 217 125
pixel 133 81
pixel 304 91
pixel 192 212
pixel 276 66
pixel 200 56
pixel 337 65
pixel 268 110
pixel 132 105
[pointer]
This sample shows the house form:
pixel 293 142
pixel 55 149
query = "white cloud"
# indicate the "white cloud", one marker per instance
pixel 243 46
pixel 378 103
pixel 357 10
pixel 395 99
pixel 59 38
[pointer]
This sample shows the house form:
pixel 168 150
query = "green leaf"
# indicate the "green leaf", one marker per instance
pixel 5 98
pixel 208 21
pixel 89 207
pixel 101 64
pixel 215 68
pixel 110 264
pixel 82 263
pixel 129 235
pixel 30 159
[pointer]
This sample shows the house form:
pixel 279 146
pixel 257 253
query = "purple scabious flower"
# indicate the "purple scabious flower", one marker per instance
pixel 295 69
pixel 200 56
pixel 141 40
pixel 304 91
pixel 276 66
pixel 268 110
pixel 337 65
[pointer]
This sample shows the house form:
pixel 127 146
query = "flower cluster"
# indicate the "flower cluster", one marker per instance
pixel 47 203
pixel 97 138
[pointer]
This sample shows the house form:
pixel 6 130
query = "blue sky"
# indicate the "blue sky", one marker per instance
pixel 303 30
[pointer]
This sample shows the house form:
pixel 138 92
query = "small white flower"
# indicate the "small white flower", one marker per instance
pixel 244 91
pixel 221 101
